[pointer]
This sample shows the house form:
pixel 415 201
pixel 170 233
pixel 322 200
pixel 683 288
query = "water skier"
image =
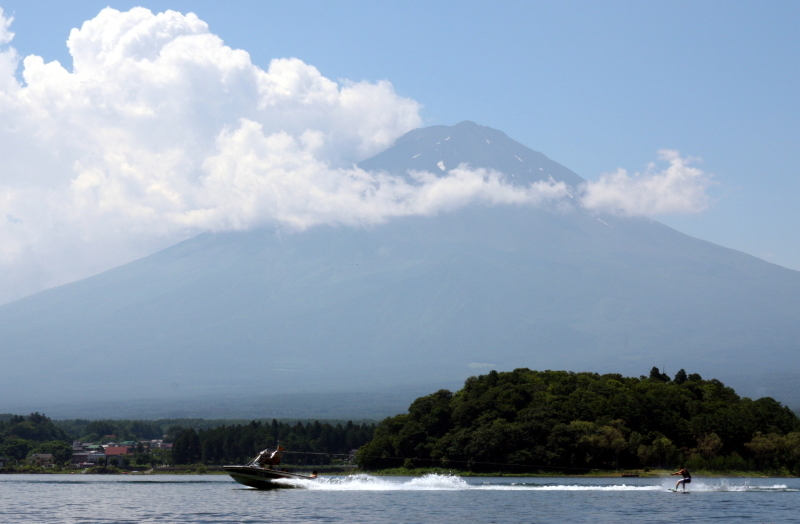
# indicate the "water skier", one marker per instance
pixel 687 478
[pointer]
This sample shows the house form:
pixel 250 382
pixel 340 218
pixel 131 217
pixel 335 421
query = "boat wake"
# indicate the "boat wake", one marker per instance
pixel 726 485
pixel 364 482
pixel 434 482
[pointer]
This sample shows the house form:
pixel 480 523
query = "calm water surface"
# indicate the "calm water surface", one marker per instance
pixel 363 498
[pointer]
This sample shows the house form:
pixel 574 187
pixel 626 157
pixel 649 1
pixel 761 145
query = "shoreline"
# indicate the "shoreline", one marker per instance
pixel 598 474
pixel 400 472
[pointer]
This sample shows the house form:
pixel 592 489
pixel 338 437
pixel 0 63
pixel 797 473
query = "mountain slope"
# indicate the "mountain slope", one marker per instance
pixel 419 300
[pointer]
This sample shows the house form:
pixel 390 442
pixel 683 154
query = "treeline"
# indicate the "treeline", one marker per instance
pixel 194 440
pixel 311 443
pixel 208 423
pixel 97 430
pixel 527 421
pixel 122 429
pixel 22 436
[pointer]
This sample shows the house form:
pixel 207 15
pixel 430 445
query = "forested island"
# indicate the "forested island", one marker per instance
pixel 527 421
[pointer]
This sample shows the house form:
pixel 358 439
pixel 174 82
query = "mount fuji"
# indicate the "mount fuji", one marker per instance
pixel 416 303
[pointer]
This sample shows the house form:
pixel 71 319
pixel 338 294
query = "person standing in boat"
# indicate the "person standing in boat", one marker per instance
pixel 277 455
pixel 263 459
pixel 687 478
pixel 267 459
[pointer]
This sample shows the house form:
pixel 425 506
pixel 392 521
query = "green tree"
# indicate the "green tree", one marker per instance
pixel 34 427
pixel 61 451
pixel 709 446
pixel 186 449
pixel 766 449
pixel 655 374
pixel 15 448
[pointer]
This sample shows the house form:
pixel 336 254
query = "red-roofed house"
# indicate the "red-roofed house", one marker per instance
pixel 117 450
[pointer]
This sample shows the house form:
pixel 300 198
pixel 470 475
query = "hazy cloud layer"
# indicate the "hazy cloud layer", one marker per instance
pixel 161 131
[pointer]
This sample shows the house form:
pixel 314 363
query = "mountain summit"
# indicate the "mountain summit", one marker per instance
pixel 418 300
pixel 437 149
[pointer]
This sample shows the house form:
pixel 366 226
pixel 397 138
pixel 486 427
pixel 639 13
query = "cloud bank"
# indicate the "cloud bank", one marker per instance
pixel 677 189
pixel 160 132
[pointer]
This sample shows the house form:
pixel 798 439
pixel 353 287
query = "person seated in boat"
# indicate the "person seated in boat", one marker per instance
pixel 314 474
pixel 687 478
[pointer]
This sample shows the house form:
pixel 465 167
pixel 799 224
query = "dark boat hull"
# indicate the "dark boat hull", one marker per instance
pixel 260 478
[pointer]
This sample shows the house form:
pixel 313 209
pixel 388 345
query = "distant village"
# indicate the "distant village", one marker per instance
pixel 89 454
pixel 35 441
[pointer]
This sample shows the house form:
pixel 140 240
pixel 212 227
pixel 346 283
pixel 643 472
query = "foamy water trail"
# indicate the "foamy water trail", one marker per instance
pixel 370 483
pixel 727 485
pixel 434 482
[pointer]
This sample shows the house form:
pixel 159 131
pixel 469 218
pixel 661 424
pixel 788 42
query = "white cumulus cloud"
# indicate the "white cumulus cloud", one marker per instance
pixel 161 131
pixel 5 22
pixel 8 56
pixel 254 178
pixel 678 188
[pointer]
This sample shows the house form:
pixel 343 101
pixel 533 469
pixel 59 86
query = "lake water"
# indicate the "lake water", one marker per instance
pixel 370 499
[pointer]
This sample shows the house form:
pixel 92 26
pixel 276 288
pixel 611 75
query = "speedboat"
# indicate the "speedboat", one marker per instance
pixel 263 478
pixel 260 474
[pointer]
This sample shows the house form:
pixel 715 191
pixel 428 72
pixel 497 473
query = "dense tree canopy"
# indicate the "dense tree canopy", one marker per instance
pixel 34 427
pixel 96 430
pixel 556 420
pixel 20 436
pixel 310 443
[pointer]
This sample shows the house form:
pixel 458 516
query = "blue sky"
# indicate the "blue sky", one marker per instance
pixel 596 86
